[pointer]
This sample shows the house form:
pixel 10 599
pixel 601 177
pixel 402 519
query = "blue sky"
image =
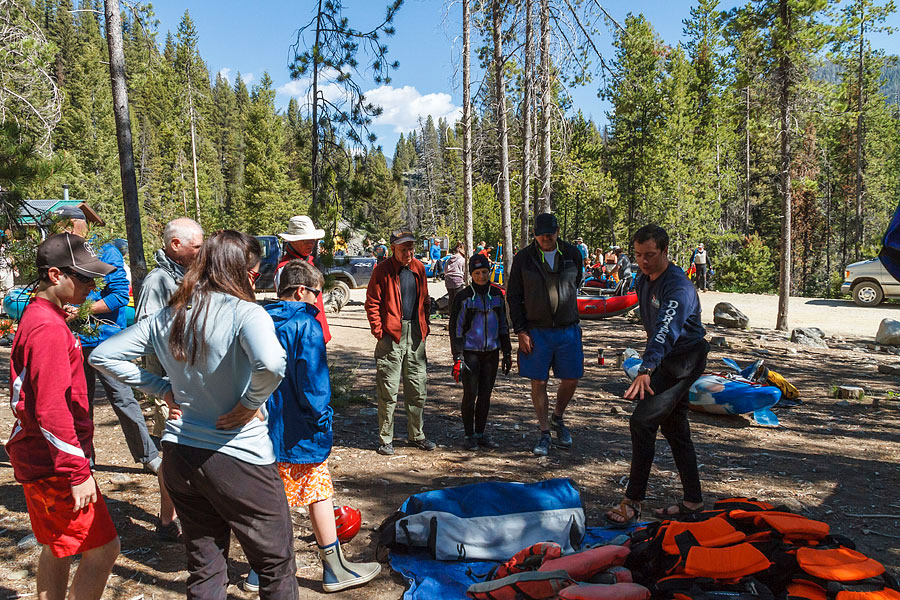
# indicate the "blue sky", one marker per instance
pixel 252 37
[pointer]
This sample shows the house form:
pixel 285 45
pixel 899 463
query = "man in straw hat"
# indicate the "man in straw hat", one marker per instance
pixel 301 237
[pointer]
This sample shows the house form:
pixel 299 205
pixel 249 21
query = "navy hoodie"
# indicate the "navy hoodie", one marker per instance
pixel 670 312
pixel 300 413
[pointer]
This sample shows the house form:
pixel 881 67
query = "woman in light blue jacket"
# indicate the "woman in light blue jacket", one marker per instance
pixel 223 360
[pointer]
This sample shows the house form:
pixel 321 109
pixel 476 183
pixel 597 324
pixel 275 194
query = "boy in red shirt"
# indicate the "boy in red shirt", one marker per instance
pixel 50 444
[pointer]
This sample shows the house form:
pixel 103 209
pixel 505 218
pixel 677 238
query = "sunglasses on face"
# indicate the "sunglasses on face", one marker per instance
pixel 315 292
pixel 254 276
pixel 76 275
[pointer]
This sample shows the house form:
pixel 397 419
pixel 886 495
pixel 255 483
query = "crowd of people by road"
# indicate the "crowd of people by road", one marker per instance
pixel 242 390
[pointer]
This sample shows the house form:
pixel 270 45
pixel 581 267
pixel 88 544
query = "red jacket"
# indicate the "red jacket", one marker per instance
pixel 53 430
pixel 320 304
pixel 383 307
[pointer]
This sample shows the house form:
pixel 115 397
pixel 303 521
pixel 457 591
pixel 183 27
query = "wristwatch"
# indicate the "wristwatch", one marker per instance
pixel 644 371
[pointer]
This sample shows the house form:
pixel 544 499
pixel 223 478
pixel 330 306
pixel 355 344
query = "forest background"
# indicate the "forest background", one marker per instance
pixel 694 139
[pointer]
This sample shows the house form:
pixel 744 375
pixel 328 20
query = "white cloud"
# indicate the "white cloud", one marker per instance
pixel 403 106
pixel 247 77
pixel 225 72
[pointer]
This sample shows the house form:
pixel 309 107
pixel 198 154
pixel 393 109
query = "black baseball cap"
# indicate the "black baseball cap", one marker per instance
pixel 545 223
pixel 70 251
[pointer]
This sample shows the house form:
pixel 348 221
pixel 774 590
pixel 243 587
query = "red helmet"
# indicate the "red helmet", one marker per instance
pixel 348 521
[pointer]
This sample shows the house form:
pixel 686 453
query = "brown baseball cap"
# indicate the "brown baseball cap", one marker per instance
pixel 69 251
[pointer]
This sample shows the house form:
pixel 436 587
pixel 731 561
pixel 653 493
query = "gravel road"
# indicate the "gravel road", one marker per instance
pixel 834 317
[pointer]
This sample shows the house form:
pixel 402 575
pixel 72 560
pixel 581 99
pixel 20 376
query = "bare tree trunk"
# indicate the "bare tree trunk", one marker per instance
pixel 747 164
pixel 193 147
pixel 859 142
pixel 527 105
pixel 503 134
pixel 123 139
pixel 314 150
pixel 784 105
pixel 467 137
pixel 543 204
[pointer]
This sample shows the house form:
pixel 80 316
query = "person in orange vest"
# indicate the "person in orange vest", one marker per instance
pixel 301 239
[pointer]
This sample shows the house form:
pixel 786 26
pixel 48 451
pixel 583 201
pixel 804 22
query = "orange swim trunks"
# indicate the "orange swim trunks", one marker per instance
pixel 305 484
pixel 56 524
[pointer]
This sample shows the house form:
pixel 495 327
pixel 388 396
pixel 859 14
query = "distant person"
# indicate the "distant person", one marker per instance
pixel 435 254
pixel 223 360
pixel 622 271
pixel 108 308
pixel 479 330
pixel 700 260
pixel 542 292
pixel 7 267
pixel 381 250
pixel 674 358
pixel 50 444
pixel 122 246
pixel 301 237
pixel 182 240
pixel 582 247
pixel 397 307
pixel 486 252
pixel 455 273
pixel 300 423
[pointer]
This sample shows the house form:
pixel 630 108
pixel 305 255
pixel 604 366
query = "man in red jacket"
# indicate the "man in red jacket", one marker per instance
pixel 397 306
pixel 50 444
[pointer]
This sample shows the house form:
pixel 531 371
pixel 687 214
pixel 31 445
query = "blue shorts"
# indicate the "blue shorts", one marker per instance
pixel 558 348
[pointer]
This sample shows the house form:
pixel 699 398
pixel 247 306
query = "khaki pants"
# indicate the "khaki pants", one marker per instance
pixel 394 361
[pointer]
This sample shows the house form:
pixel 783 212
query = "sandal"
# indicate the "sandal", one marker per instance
pixel 622 511
pixel 682 512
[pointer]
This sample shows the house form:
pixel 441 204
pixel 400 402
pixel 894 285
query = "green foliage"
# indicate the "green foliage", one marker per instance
pixel 750 270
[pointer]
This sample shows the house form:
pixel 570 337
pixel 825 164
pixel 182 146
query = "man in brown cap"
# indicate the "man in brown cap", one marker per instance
pixel 397 306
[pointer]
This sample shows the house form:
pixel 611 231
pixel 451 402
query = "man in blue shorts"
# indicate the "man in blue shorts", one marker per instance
pixel 542 292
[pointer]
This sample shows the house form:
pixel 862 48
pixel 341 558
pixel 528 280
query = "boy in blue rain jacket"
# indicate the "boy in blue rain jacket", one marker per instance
pixel 300 419
pixel 479 330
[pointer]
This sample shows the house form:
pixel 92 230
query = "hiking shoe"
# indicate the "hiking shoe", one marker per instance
pixel 251 582
pixel 385 449
pixel 563 437
pixel 485 441
pixel 543 445
pixel 470 443
pixel 169 533
pixel 424 444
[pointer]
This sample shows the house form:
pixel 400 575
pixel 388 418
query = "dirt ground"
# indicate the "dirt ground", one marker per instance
pixel 831 460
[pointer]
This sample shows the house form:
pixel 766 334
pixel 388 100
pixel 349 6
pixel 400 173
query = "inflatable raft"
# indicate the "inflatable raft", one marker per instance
pixel 726 393
pixel 600 306
pixel 17 299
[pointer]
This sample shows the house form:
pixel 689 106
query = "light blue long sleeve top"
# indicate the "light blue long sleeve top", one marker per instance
pixel 244 363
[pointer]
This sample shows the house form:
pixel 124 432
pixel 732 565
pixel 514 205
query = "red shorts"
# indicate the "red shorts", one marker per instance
pixel 57 525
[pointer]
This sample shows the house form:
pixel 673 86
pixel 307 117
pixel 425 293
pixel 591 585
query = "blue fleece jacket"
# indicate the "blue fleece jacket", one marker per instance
pixel 670 313
pixel 300 413
pixel 115 293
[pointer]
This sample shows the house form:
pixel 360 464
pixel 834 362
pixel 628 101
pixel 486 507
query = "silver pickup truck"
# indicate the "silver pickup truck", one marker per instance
pixel 868 283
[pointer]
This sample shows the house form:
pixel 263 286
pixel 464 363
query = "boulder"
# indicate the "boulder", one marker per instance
pixel 809 336
pixel 727 315
pixel 888 333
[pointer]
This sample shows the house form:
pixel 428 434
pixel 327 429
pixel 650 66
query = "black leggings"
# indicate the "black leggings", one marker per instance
pixel 667 410
pixel 477 375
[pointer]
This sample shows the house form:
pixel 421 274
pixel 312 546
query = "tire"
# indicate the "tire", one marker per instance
pixel 340 293
pixel 867 293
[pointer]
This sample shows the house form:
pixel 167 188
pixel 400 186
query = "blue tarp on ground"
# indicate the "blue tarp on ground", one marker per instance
pixel 429 578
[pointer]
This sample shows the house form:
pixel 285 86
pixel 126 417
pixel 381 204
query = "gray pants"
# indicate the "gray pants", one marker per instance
pixel 127 409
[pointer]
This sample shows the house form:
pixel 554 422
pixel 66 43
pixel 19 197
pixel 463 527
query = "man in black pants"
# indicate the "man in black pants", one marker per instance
pixel 675 356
